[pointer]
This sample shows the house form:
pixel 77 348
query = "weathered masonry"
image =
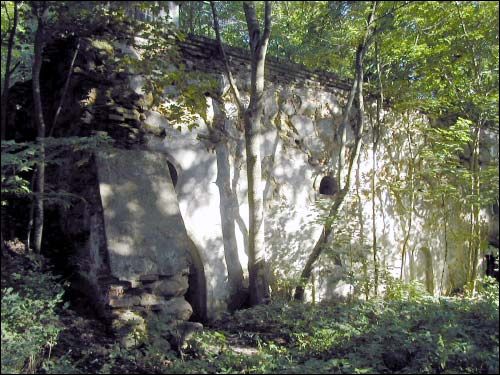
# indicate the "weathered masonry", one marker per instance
pixel 164 220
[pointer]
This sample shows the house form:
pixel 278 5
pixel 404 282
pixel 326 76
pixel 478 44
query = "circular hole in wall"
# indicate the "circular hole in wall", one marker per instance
pixel 328 186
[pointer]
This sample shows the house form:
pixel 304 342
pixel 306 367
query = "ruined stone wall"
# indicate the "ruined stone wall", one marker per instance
pixel 153 244
pixel 299 146
pixel 300 131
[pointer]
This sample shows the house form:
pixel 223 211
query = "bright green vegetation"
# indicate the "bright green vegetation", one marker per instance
pixel 408 332
pixel 419 334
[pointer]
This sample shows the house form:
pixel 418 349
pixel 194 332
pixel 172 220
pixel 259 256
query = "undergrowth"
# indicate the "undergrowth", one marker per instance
pixel 31 296
pixel 407 332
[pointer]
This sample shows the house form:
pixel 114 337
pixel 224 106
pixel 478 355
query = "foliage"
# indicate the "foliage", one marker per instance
pixel 30 324
pixel 20 158
pixel 488 290
pixel 397 290
pixel 433 335
pixel 22 52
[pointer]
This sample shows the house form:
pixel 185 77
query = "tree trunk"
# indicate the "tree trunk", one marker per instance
pixel 412 203
pixel 366 281
pixel 234 269
pixel 445 220
pixel 258 278
pixel 40 123
pixel 339 200
pixel 8 72
pixel 376 137
pixel 257 268
pixel 318 247
pixel 31 212
pixel 228 212
pixel 475 231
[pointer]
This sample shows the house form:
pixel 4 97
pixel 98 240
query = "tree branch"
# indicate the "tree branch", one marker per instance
pixel 4 5
pixel 267 23
pixel 14 67
pixel 65 90
pixel 253 26
pixel 232 83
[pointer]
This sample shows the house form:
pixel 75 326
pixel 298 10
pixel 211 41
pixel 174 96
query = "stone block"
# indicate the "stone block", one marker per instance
pixel 159 132
pixel 326 129
pixel 171 287
pixel 145 232
pixel 304 125
pixel 149 278
pixel 135 283
pixel 148 299
pixel 132 114
pixel 174 309
pixel 123 301
pixel 307 132
pixel 117 290
pixel 118 109
pixel 155 120
pixel 115 117
pixel 146 100
pixel 124 316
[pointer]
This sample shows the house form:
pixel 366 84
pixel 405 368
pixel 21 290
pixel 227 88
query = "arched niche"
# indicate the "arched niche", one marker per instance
pixel 196 294
pixel 429 269
pixel 173 173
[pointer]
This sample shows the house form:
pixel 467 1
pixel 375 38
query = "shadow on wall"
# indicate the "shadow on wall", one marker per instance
pixel 196 294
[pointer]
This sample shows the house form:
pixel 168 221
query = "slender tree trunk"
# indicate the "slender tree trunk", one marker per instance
pixel 3 248
pixel 366 281
pixel 234 269
pixel 232 82
pixel 376 137
pixel 339 200
pixel 475 231
pixel 412 199
pixel 374 220
pixel 258 278
pixel 344 124
pixel 31 213
pixel 40 176
pixel 257 267
pixel 445 219
pixel 227 212
pixel 8 72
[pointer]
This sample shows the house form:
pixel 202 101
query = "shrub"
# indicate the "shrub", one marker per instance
pixel 30 326
pixel 398 290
